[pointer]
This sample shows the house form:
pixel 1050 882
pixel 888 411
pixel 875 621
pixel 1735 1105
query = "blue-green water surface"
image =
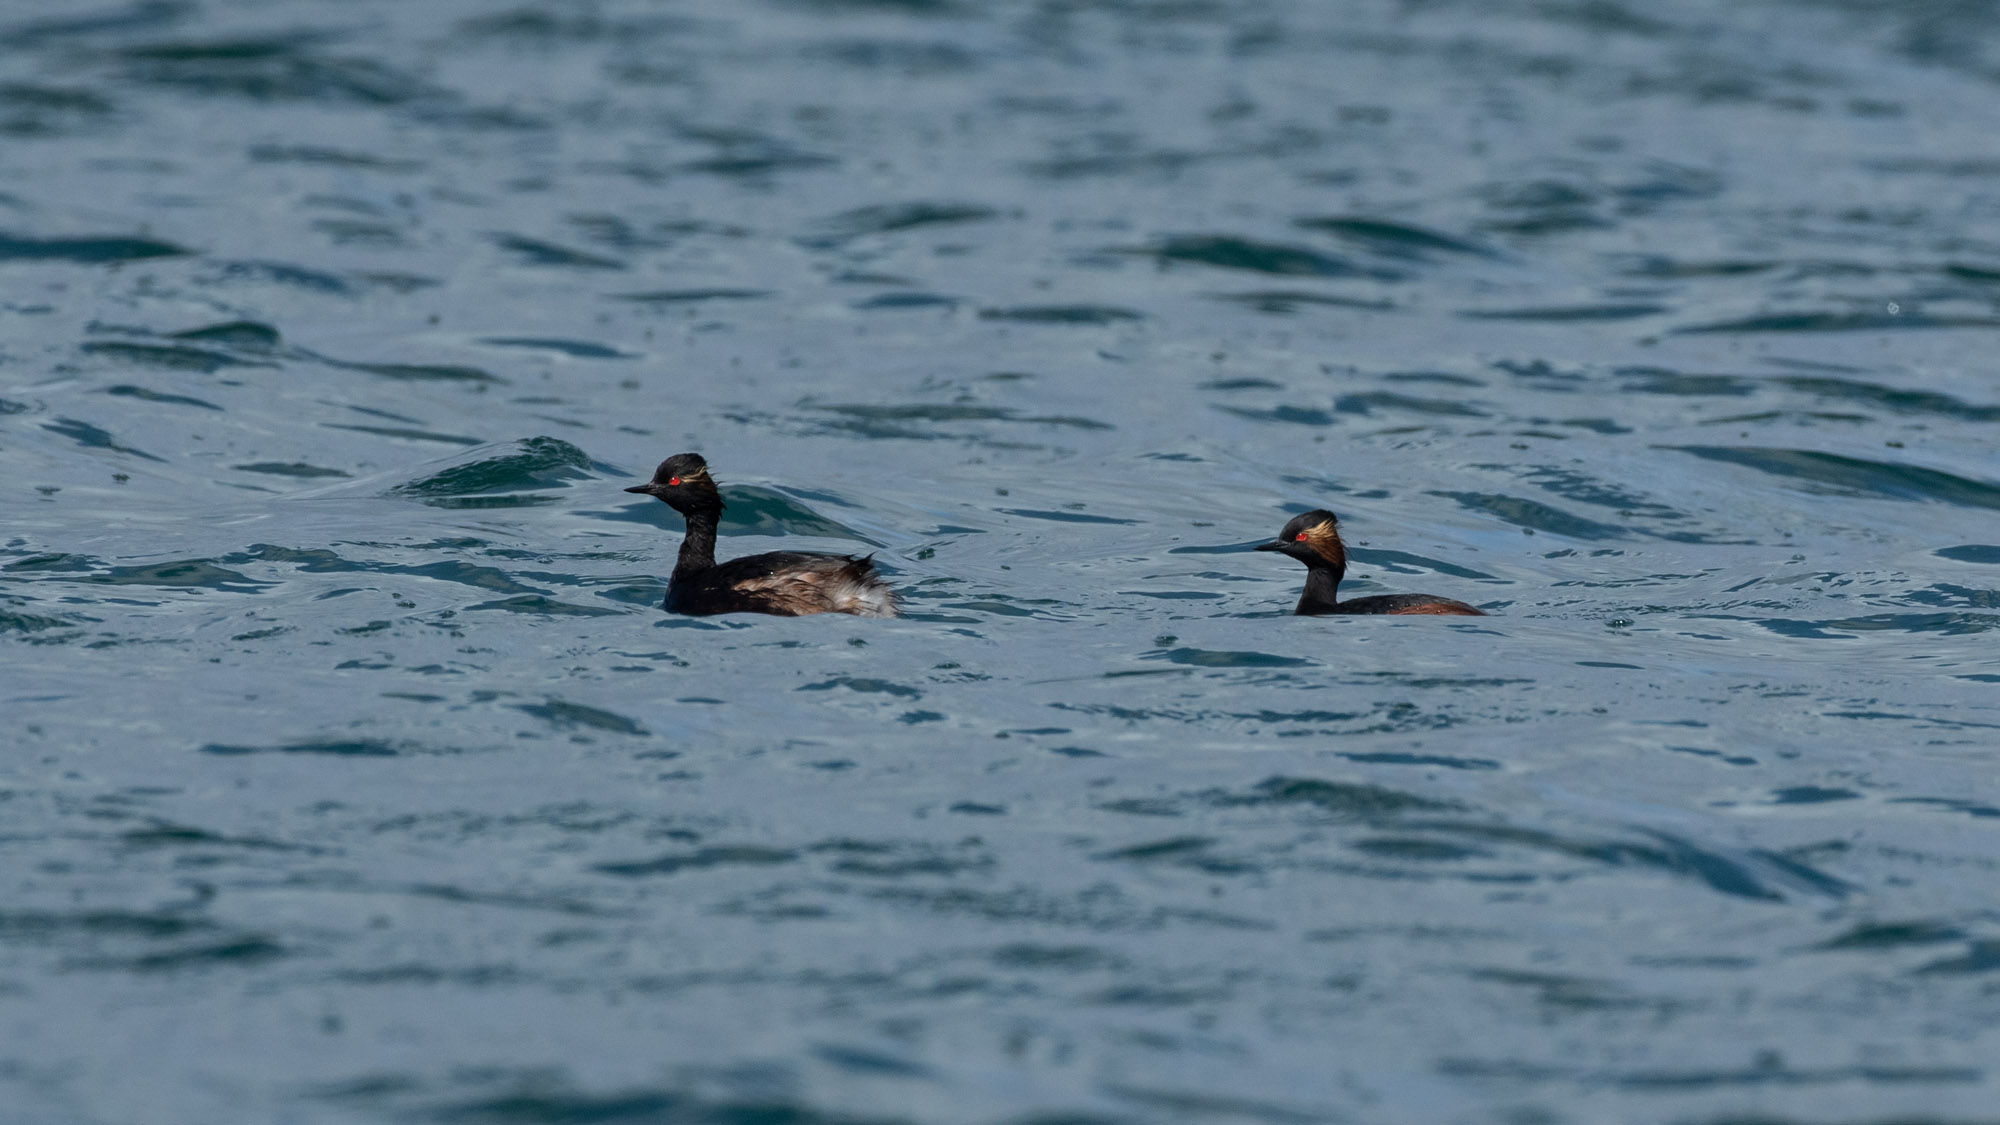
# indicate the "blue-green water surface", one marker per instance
pixel 353 774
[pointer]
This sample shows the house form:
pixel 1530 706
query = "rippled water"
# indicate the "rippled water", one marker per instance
pixel 356 776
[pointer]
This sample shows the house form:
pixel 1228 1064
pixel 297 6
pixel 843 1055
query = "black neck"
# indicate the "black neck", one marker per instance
pixel 698 548
pixel 1321 582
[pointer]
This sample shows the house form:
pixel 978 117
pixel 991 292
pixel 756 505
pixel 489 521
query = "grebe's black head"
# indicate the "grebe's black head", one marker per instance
pixel 683 482
pixel 1313 538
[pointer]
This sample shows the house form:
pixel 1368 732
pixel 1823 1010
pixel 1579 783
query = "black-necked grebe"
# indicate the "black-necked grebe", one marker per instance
pixel 786 583
pixel 1314 539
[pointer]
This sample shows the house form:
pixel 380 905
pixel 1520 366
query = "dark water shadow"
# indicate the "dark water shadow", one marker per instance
pixel 1848 628
pixel 1209 658
pixel 333 747
pixel 487 478
pixel 889 218
pixel 1841 322
pixel 1535 515
pixel 1084 315
pixel 1854 476
pixel 1893 399
pixel 91 437
pixel 1568 314
pixel 86 251
pixel 1406 241
pixel 1275 258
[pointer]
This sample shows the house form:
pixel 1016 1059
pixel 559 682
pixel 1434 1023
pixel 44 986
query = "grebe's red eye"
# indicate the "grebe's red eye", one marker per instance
pixel 673 480
pixel 1299 538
